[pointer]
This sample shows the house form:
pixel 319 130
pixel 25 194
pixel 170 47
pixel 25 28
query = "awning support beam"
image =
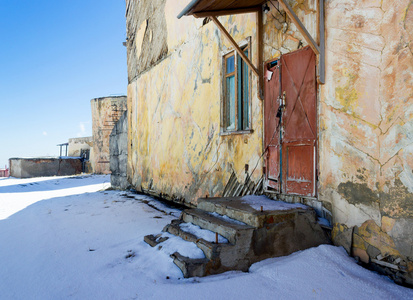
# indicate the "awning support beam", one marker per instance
pixel 235 45
pixel 218 13
pixel 318 50
pixel 287 8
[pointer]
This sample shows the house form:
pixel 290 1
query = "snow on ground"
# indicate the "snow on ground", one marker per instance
pixel 205 234
pixel 16 194
pixel 256 202
pixel 66 238
pixel 226 218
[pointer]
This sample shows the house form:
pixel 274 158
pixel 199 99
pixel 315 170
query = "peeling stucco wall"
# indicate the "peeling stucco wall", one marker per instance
pixel 106 111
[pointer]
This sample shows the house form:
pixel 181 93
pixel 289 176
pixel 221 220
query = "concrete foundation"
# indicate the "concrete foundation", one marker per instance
pixel 118 148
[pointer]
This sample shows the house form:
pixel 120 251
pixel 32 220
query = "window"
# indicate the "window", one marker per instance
pixel 236 103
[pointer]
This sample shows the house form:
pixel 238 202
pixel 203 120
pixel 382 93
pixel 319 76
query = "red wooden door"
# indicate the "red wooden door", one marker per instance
pixel 297 143
pixel 272 126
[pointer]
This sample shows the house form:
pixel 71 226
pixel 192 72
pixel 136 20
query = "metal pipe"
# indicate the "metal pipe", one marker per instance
pixel 322 57
pixel 188 8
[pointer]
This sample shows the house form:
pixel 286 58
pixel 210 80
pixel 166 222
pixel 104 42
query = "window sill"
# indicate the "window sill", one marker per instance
pixel 224 133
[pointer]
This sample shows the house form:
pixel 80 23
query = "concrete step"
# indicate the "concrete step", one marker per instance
pixel 211 250
pixel 234 232
pixel 221 257
pixel 190 267
pixel 199 267
pixel 278 229
pixel 241 210
pixel 154 240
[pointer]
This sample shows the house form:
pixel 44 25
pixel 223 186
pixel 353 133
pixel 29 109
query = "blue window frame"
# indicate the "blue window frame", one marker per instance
pixel 236 104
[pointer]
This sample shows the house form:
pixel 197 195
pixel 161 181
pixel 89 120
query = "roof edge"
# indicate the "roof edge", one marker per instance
pixel 188 8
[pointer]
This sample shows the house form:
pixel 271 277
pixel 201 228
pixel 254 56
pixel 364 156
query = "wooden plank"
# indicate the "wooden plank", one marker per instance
pixel 245 186
pixel 257 187
pixel 300 26
pixel 235 11
pixel 385 264
pixel 235 45
pixel 228 187
pixel 236 192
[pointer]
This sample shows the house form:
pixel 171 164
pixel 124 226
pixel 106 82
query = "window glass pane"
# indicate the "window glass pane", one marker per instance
pixel 230 108
pixel 230 64
pixel 245 94
pixel 239 92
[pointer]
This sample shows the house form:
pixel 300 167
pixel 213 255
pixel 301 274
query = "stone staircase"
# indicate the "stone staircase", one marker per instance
pixel 255 228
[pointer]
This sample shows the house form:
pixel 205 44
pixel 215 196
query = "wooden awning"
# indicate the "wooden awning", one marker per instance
pixel 206 8
pixel 215 8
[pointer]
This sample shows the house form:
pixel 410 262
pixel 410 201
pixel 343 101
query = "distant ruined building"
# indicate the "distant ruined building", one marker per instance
pixel 79 155
pixel 4 172
pixel 106 112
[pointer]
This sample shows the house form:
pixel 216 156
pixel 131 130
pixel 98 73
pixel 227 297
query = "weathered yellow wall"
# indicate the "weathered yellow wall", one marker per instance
pixel 174 120
pixel 103 120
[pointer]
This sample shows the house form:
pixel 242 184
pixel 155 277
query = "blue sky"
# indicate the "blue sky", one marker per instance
pixel 55 56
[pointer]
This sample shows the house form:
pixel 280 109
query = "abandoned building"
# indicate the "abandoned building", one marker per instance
pixel 85 154
pixel 306 101
pixel 106 111
pixel 80 147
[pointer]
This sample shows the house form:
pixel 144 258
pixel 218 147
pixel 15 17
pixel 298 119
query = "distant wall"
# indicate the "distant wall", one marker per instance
pixel 118 146
pixel 106 112
pixel 76 145
pixel 4 172
pixel 40 167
